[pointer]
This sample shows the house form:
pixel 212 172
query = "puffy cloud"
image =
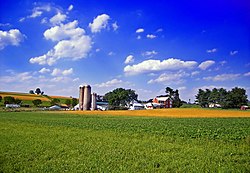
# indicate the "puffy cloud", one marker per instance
pixel 247 74
pixel 206 64
pixel 149 53
pixel 44 70
pixel 115 26
pixel 99 23
pixel 222 77
pixel 73 44
pixel 212 50
pixel 138 37
pixel 57 19
pixel 129 59
pixel 140 30
pixel 16 77
pixel 112 83
pixel 70 7
pixel 11 37
pixel 169 78
pixel 64 31
pixel 59 72
pixel 159 30
pixel 195 73
pixel 111 53
pixel 38 11
pixel 233 52
pixel 157 65
pixel 151 36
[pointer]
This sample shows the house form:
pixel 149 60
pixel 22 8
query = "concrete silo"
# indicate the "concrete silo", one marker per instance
pixel 86 97
pixel 81 97
pixel 93 102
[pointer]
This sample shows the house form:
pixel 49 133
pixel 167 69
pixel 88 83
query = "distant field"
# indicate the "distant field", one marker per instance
pixel 28 98
pixel 62 142
pixel 24 96
pixel 174 112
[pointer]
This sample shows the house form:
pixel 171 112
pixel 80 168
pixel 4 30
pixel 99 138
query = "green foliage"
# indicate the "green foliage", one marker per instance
pixel 18 101
pixel 120 97
pixel 68 102
pixel 55 101
pixel 31 92
pixel 45 142
pixel 74 102
pixel 227 99
pixel 9 100
pixel 38 91
pixel 37 102
pixel 174 95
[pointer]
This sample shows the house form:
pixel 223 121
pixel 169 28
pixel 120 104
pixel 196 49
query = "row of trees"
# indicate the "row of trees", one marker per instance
pixel 234 98
pixel 37 91
pixel 10 100
pixel 69 102
pixel 121 97
pixel 37 102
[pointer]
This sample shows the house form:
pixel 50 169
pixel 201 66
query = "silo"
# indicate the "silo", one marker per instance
pixel 93 102
pixel 81 97
pixel 86 97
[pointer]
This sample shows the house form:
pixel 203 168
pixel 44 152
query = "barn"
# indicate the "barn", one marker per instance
pixel 166 102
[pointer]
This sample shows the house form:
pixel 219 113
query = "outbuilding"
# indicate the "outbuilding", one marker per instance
pixel 166 102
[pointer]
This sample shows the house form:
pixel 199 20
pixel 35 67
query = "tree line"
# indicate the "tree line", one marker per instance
pixel 234 98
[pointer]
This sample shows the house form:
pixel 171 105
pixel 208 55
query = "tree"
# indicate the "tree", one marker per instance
pixel 227 99
pixel 120 97
pixel 174 96
pixel 9 100
pixel 55 101
pixel 38 91
pixel 1 98
pixel 68 102
pixel 74 102
pixel 37 102
pixel 31 92
pixel 18 101
pixel 203 97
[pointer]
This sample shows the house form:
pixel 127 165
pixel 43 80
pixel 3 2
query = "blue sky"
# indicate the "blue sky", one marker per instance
pixel 142 45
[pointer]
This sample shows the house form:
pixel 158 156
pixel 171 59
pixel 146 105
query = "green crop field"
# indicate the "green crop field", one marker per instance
pixel 56 142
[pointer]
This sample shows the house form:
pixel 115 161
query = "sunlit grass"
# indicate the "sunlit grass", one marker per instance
pixel 52 142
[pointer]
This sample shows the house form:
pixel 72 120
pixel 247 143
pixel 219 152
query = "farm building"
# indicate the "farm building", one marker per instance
pixel 166 102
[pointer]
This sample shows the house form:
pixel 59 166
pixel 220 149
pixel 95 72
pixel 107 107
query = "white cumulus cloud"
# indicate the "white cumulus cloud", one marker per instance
pixel 57 19
pixel 99 23
pixel 151 36
pixel 59 72
pixel 170 78
pixel 247 74
pixel 149 66
pixel 129 59
pixel 222 77
pixel 70 7
pixel 233 52
pixel 11 37
pixel 140 30
pixel 113 83
pixel 44 70
pixel 149 53
pixel 115 26
pixel 212 50
pixel 73 44
pixel 206 64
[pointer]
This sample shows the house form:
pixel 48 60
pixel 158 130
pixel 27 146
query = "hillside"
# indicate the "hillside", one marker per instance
pixel 28 98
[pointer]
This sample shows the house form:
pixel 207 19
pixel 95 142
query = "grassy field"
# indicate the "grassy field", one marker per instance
pixel 61 142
